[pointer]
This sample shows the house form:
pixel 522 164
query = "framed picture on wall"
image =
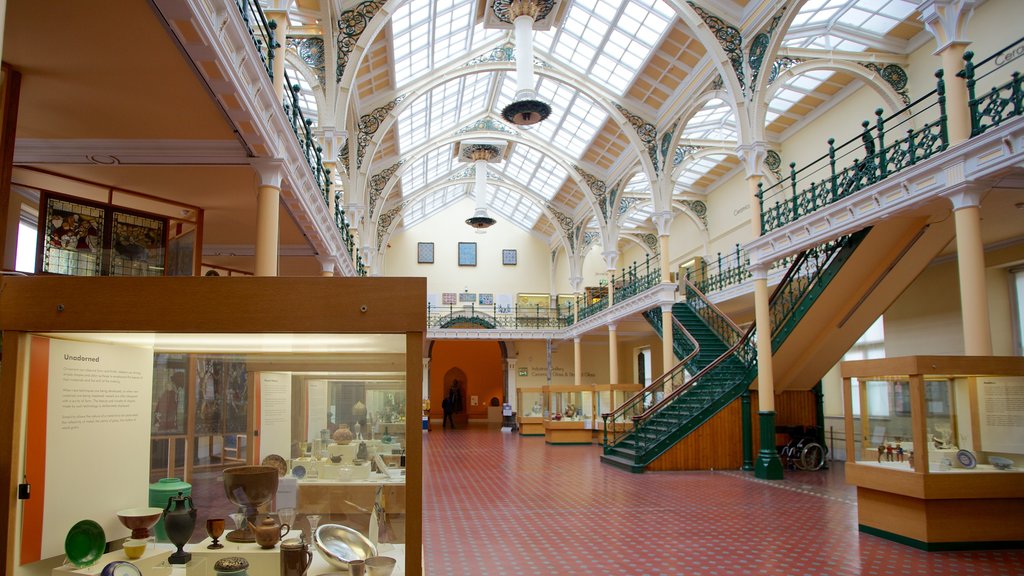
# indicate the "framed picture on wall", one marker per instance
pixel 467 253
pixel 424 252
pixel 508 257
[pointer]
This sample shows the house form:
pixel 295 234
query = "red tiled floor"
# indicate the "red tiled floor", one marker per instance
pixel 498 503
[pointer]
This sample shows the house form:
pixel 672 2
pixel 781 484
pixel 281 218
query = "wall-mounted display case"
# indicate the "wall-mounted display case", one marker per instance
pixel 936 447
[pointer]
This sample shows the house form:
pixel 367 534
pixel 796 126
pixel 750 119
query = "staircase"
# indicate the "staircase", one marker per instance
pixel 724 361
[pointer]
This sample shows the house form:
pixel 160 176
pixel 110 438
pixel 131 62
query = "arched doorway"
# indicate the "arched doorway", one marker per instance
pixel 479 368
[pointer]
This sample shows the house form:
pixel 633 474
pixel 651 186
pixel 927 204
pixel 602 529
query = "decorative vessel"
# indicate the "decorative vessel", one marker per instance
pixel 251 487
pixel 269 531
pixel 139 520
pixel 159 492
pixel 180 522
pixel 120 568
pixel 339 545
pixel 233 565
pixel 296 557
pixel 343 435
pixel 85 543
pixel 277 462
pixel 215 529
pixel 134 549
pixel 1000 463
pixel 380 566
pixel 363 454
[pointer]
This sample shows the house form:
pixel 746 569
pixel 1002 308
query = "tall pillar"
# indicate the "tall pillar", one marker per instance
pixel 663 221
pixel 613 355
pixel 577 361
pixel 947 22
pixel 768 465
pixel 511 383
pixel 576 282
pixel 970 251
pixel 268 213
pixel 280 19
pixel 610 257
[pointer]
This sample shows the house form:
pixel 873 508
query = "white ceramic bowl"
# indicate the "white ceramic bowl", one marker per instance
pixel 339 545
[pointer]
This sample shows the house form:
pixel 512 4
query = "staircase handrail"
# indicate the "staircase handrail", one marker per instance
pixel 692 287
pixel 639 396
pixel 747 335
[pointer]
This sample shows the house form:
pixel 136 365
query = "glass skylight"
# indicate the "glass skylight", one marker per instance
pixel 793 91
pixel 513 206
pixel 443 109
pixel 693 170
pixel 638 184
pixel 715 121
pixel 427 34
pixel 533 170
pixel 845 24
pixel 608 41
pixel 431 203
pixel 638 217
pixel 427 169
pixel 574 121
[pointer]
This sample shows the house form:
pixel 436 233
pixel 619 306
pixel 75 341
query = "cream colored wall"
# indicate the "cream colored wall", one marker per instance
pixel 594 269
pixel 630 252
pixel 532 356
pixel 685 241
pixel 446 230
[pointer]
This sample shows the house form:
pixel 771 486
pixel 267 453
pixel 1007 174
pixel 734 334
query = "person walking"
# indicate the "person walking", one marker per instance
pixel 447 408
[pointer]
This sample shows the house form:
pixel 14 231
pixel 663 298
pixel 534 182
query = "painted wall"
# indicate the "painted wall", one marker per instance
pixel 446 230
pixel 482 364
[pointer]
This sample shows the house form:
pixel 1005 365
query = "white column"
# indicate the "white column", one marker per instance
pixel 762 320
pixel 525 82
pixel 668 357
pixel 268 211
pixel 947 22
pixel 663 221
pixel 613 355
pixel 511 384
pixel 610 257
pixel 970 251
pixel 577 361
pixel 326 266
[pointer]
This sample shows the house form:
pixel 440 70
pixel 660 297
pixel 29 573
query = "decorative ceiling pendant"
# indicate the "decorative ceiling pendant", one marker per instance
pixel 480 153
pixel 527 108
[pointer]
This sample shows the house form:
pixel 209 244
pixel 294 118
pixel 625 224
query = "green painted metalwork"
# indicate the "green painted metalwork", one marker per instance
pixel 823 183
pixel 724 367
pixel 261 31
pixel 728 36
pixel 647 133
pixel 768 465
pixel 1002 102
pixel 303 129
pixel 636 279
pixel 343 226
pixel 497 316
pixel 748 432
pixel 351 25
pixel 311 50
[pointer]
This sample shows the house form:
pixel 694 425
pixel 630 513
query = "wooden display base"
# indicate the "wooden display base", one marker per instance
pixel 531 426
pixel 563 432
pixel 940 511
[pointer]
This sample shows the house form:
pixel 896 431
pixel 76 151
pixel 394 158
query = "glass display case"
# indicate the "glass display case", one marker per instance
pixel 323 417
pixel 569 414
pixel 531 411
pixel 608 397
pixel 936 441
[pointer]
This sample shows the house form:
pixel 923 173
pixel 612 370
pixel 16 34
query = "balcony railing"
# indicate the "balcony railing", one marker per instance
pixel 261 31
pixel 1002 102
pixel 303 129
pixel 497 316
pixel 824 181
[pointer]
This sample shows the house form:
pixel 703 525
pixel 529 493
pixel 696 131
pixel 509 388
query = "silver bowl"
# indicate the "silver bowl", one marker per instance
pixel 339 545
pixel 1000 463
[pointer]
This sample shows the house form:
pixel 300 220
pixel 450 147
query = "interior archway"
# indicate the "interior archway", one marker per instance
pixel 479 367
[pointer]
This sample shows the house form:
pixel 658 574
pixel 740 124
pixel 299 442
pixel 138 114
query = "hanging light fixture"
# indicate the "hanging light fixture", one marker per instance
pixel 480 155
pixel 527 108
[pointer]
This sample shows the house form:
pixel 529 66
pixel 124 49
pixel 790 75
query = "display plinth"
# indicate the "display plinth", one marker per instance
pixel 268 561
pixel 149 563
pixel 566 432
pixel 531 426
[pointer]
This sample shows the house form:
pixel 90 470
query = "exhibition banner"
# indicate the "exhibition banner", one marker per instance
pixel 275 414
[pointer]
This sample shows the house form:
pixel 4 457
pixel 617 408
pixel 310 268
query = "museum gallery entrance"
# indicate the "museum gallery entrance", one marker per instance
pixel 472 373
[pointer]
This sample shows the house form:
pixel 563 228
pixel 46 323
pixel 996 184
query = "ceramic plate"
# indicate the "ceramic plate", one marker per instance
pixel 299 471
pixel 121 568
pixel 277 462
pixel 966 459
pixel 85 543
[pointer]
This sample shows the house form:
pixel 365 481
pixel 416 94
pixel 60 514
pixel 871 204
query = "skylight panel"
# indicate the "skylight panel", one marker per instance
pixel 534 171
pixel 694 170
pixel 430 204
pixel 427 169
pixel 608 41
pixel 715 121
pixel 428 34
pixel 514 207
pixel 874 18
pixel 638 217
pixel 637 184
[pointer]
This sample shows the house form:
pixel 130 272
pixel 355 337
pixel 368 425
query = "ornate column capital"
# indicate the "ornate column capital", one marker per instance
pixel 663 220
pixel 758 271
pixel 576 282
pixel 326 265
pixel 269 170
pixel 610 258
pixel 753 155
pixel 947 20
pixel 967 194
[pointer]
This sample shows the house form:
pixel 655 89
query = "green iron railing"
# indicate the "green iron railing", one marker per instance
pixel 634 280
pixel 261 31
pixel 683 343
pixel 726 270
pixel 823 182
pixel 734 369
pixel 594 307
pixel 303 129
pixel 497 316
pixel 619 422
pixel 1001 102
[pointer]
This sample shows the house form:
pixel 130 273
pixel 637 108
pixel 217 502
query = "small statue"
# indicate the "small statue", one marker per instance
pixel 881 452
pixel 536 408
pixel 889 450
pixel 899 452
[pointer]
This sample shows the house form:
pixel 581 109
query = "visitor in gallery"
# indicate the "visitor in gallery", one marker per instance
pixel 447 408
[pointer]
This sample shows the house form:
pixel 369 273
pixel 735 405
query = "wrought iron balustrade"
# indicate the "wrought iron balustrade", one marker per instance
pixel 498 316
pixel 824 181
pixel 1002 102
pixel 261 31
pixel 303 129
pixel 635 279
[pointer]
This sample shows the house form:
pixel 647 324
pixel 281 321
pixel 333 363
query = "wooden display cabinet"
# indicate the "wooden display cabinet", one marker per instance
pixel 568 414
pixel 530 413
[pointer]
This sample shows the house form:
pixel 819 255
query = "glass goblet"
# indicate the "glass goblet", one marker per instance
pixel 239 519
pixel 313 520
pixel 214 529
pixel 287 516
